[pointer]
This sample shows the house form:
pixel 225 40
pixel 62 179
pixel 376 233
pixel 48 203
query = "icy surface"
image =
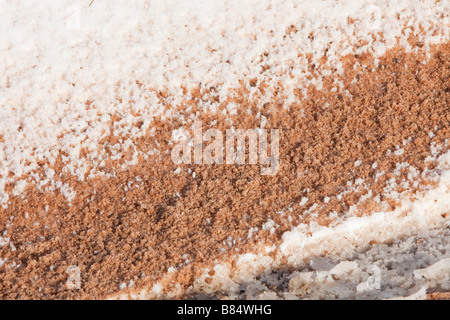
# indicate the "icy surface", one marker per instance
pixel 403 268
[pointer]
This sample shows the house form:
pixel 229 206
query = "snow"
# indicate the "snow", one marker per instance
pixel 347 241
pixel 67 67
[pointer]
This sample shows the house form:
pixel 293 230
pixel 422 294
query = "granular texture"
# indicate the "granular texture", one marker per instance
pixel 407 268
pixel 138 222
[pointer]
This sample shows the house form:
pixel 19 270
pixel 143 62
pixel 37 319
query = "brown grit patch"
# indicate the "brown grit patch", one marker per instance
pixel 116 235
pixel 438 296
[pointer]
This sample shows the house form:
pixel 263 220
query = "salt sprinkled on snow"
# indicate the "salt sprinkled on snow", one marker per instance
pixel 66 68
pixel 342 239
